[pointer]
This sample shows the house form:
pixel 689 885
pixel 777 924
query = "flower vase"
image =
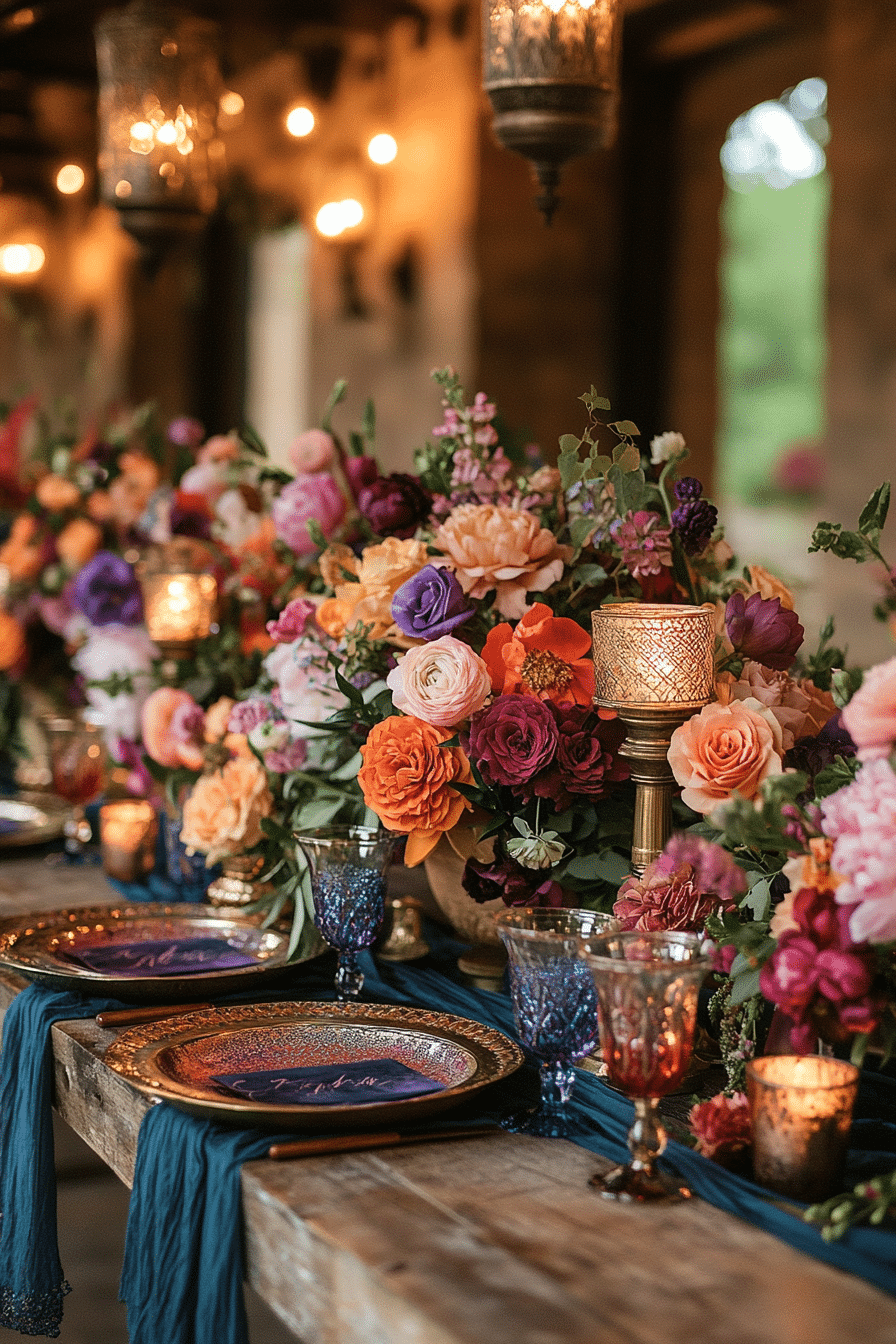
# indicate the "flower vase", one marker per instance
pixel 187 872
pixel 486 959
pixel 239 883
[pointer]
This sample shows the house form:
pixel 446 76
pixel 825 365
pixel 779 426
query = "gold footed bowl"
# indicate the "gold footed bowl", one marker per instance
pixel 485 961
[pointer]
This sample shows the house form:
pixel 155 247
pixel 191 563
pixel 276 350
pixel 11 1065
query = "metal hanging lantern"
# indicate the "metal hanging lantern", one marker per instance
pixel 160 156
pixel 551 71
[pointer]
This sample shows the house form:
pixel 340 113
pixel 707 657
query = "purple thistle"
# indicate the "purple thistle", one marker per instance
pixel 762 630
pixel 687 489
pixel 695 521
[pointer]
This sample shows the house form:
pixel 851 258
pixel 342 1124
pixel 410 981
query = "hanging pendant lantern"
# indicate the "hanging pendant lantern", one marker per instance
pixel 160 155
pixel 551 71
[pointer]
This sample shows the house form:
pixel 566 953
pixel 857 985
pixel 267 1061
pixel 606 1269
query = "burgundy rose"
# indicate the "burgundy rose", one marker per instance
pixel 360 472
pixel 512 739
pixel 395 505
pixel 511 883
pixel 190 516
pixel 587 763
pixel 762 630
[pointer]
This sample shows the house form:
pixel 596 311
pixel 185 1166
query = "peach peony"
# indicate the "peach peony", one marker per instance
pixel 56 493
pixel 799 706
pixel 12 641
pixel 222 815
pixel 870 716
pixel 21 553
pixel 725 749
pixel 442 682
pixel 78 542
pixel 407 779
pixel 165 739
pixel 382 570
pixel 494 546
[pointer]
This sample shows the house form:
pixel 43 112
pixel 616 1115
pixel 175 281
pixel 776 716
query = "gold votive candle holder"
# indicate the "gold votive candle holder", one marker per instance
pixel 128 830
pixel 801 1110
pixel 653 664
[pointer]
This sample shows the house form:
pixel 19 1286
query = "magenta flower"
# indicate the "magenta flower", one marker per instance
pixel 512 739
pixel 646 544
pixel 314 496
pixel 714 870
pixel 291 622
pixel 360 472
pixel 186 432
pixel 762 630
pixel 667 900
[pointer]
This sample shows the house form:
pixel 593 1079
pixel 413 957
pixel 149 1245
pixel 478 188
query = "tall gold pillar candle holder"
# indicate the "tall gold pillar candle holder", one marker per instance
pixel 653 664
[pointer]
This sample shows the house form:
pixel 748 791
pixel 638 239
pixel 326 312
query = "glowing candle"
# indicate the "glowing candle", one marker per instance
pixel 128 838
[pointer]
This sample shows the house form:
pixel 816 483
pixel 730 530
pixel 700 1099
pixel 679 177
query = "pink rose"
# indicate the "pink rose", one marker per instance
pixel 314 495
pixel 799 706
pixel 172 730
pixel 495 546
pixel 312 451
pixel 442 682
pixel 219 448
pixel 725 749
pixel 870 716
pixel 291 622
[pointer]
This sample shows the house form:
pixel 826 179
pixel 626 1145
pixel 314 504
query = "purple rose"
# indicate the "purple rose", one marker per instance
pixel 762 630
pixel 510 882
pixel 587 762
pixel 512 739
pixel 360 472
pixel 395 505
pixel 107 591
pixel 431 604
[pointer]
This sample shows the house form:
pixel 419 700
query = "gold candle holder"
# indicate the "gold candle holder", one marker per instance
pixel 653 664
pixel 128 832
pixel 180 598
pixel 801 1109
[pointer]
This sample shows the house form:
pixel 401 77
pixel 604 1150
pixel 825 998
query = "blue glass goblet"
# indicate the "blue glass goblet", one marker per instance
pixel 554 1004
pixel 348 887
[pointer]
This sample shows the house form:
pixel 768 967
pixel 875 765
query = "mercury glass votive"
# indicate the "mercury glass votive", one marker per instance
pixel 348 887
pixel 128 830
pixel 801 1111
pixel 180 596
pixel 653 664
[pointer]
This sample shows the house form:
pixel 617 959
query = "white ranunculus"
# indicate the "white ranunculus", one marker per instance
pixel 116 650
pixel 666 447
pixel 307 692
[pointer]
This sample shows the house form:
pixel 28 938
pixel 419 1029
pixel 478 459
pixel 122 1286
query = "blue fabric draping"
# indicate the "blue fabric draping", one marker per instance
pixel 183 1260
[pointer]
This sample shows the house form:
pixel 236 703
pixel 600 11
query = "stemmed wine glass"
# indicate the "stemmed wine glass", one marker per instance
pixel 348 887
pixel 647 985
pixel 554 1004
pixel 76 763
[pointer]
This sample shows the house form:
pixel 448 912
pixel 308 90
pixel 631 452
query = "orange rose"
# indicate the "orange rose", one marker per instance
pixel 78 542
pixel 12 641
pixel 406 780
pixel 725 749
pixel 222 815
pixel 56 493
pixel 20 553
pixel 494 546
pixel 333 616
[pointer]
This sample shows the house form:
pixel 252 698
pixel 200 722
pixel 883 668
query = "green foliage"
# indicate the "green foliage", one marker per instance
pixel 871 1201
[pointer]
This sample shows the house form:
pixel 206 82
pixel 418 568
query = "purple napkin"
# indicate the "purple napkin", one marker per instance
pixel 165 956
pixel 362 1080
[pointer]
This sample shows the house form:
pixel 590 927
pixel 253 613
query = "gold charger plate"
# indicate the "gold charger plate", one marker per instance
pixel 176 1060
pixel 36 946
pixel 32 819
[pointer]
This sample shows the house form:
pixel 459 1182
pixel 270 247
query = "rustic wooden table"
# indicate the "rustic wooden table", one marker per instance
pixel 487 1241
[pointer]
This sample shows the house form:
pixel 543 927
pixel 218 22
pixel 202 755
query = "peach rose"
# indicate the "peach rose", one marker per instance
pixel 725 749
pixel 870 716
pixel 99 506
pixel 769 585
pixel 21 553
pixel 333 616
pixel 78 542
pixel 442 682
pixel 799 706
pixel 406 780
pixel 172 724
pixel 141 471
pixel 494 546
pixel 56 493
pixel 222 815
pixel 335 562
pixel 12 640
pixel 217 716
pixel 382 570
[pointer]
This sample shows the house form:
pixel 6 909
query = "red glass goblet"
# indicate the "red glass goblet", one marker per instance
pixel 77 766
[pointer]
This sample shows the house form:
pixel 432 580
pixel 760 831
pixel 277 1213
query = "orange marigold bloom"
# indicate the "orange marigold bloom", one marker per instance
pixel 545 656
pixel 406 779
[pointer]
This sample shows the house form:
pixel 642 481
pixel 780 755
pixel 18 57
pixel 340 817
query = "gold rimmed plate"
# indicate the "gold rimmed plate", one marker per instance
pixel 31 819
pixel 47 947
pixel 181 1060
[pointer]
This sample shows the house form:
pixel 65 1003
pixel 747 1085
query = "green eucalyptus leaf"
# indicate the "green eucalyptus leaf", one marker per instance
pixel 874 514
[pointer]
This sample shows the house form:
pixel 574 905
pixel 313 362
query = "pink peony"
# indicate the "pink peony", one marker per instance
pixel 312 451
pixel 206 478
pixel 442 682
pixel 304 681
pixel 493 546
pixel 870 716
pixel 861 820
pixel 721 1126
pixel 171 729
pixel 725 749
pixel 313 496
